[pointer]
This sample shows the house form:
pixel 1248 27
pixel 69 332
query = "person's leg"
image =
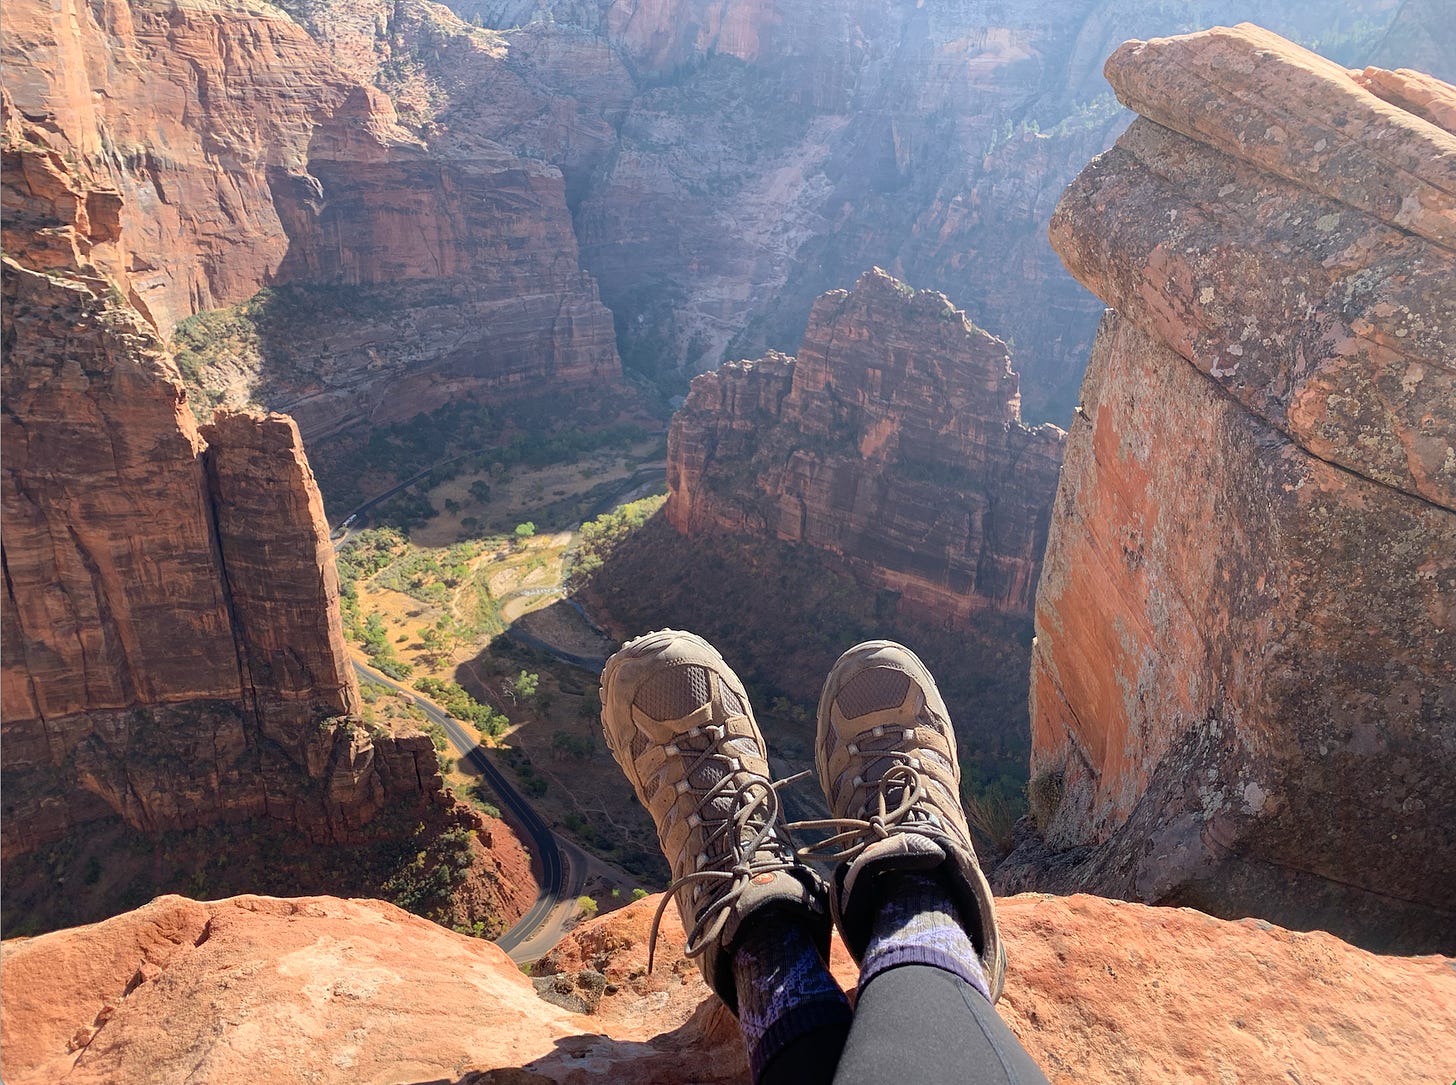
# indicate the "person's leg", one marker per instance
pixel 908 895
pixel 920 1025
pixel 678 722
pixel 792 1013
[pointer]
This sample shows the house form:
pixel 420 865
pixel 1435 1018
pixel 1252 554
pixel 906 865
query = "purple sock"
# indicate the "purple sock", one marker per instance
pixel 918 924
pixel 784 989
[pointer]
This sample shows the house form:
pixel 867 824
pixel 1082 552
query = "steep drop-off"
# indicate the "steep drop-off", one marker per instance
pixel 1243 689
pixel 322 990
pixel 892 440
pixel 172 647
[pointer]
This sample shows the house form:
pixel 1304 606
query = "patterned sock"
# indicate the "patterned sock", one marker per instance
pixel 918 924
pixel 785 991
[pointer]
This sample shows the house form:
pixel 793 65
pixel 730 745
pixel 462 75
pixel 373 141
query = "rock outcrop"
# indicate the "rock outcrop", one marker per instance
pixel 172 644
pixel 325 990
pixel 1243 688
pixel 193 155
pixel 893 439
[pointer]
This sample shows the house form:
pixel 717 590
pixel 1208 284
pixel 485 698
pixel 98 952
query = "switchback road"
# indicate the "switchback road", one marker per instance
pixel 519 811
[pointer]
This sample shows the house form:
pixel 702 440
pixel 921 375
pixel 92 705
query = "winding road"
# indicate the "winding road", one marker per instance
pixel 526 940
pixel 545 921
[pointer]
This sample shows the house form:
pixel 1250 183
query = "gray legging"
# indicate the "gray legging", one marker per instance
pixel 913 1025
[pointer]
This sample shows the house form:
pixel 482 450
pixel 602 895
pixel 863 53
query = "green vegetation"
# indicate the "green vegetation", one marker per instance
pixel 599 537
pixel 564 744
pixel 424 883
pixel 523 686
pixel 457 701
pixel 381 653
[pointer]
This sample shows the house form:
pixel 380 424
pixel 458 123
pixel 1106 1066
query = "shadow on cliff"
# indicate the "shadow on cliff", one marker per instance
pixel 782 614
pixel 706 1049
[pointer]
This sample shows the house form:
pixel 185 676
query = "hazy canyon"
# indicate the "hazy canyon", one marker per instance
pixel 1235 543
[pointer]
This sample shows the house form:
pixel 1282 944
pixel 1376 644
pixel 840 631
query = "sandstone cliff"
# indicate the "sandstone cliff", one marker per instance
pixel 172 646
pixel 893 439
pixel 193 155
pixel 1243 689
pixel 775 148
pixel 324 990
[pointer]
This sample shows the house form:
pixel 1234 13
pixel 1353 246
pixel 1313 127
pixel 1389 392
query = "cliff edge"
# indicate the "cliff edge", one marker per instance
pixel 1243 689
pixel 323 990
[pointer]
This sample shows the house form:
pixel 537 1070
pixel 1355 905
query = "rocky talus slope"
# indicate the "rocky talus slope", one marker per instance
pixel 322 990
pixel 1243 688
pixel 195 154
pixel 893 440
pixel 172 646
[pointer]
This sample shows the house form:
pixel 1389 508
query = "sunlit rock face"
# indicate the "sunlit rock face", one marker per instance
pixel 172 644
pixel 1243 688
pixel 893 439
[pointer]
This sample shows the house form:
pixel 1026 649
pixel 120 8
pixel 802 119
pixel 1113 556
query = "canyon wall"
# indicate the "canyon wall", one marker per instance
pixel 893 440
pixel 323 990
pixel 773 149
pixel 1243 688
pixel 221 151
pixel 172 647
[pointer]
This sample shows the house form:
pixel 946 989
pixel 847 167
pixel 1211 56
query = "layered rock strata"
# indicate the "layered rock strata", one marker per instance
pixel 1243 689
pixel 324 990
pixel 772 150
pixel 194 155
pixel 172 644
pixel 893 440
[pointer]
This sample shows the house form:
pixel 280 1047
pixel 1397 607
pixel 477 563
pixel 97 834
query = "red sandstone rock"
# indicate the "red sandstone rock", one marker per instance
pixel 1243 691
pixel 172 646
pixel 193 155
pixel 325 990
pixel 894 439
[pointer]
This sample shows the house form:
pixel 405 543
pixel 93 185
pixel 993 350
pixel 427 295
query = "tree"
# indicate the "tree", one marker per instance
pixel 524 685
pixel 525 531
pixel 434 641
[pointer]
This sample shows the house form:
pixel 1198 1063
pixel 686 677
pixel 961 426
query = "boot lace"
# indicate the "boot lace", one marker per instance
pixel 741 843
pixel 899 805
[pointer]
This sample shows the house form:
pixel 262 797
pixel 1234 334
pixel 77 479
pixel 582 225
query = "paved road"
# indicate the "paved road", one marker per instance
pixel 519 811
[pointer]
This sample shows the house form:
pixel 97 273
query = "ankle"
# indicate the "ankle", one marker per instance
pixel 917 922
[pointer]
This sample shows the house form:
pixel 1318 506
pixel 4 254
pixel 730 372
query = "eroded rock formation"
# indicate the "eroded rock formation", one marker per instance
pixel 325 990
pixel 893 439
pixel 193 155
pixel 1243 688
pixel 172 647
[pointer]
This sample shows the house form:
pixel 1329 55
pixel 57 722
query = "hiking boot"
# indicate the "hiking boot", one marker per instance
pixel 886 756
pixel 678 721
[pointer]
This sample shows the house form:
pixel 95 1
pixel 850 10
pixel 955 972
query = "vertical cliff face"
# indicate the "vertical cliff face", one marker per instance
pixel 893 439
pixel 215 149
pixel 1243 693
pixel 775 148
pixel 172 646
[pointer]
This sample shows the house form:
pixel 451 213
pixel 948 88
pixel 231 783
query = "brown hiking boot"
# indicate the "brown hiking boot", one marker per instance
pixel 886 756
pixel 678 721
